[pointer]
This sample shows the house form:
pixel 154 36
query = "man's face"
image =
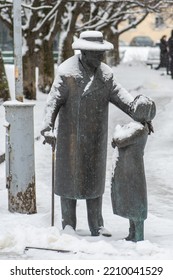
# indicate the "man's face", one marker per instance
pixel 93 58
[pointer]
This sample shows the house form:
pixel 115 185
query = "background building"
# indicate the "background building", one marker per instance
pixel 154 26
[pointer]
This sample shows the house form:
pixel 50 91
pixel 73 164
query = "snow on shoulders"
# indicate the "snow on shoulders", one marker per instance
pixel 106 70
pixel 70 67
pixel 125 131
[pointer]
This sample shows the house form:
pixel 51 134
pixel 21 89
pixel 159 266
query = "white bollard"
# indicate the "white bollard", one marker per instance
pixel 20 158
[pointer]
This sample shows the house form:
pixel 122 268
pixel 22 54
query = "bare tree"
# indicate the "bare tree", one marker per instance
pixel 68 29
pixel 108 17
pixel 42 19
pixel 39 26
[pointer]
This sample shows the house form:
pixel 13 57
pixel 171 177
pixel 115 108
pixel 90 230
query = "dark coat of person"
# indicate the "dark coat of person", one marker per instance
pixel 82 103
pixel 170 46
pixel 128 186
pixel 164 56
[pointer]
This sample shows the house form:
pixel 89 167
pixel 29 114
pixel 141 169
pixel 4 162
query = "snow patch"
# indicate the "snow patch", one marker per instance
pixel 125 131
pixel 70 67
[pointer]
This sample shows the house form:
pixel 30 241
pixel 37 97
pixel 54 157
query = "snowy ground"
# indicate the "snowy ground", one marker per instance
pixel 18 231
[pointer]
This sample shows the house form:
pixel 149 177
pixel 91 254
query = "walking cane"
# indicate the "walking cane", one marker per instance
pixel 52 143
pixel 53 184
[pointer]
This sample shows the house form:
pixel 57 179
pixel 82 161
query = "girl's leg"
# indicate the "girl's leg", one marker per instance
pixel 139 231
pixel 131 231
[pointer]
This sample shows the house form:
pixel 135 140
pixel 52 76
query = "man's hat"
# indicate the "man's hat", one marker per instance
pixel 92 41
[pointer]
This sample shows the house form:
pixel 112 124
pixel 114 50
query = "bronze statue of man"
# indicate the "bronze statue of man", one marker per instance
pixel 80 96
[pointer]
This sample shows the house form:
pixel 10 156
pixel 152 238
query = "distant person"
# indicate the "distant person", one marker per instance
pixel 170 47
pixel 164 55
pixel 128 187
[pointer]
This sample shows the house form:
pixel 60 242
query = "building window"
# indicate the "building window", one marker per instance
pixel 159 21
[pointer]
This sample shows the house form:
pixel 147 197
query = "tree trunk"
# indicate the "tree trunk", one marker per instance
pixel 112 57
pixel 67 50
pixel 29 79
pixel 4 89
pixel 46 67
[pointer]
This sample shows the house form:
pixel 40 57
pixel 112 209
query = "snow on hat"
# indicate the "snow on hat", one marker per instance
pixel 143 108
pixel 93 41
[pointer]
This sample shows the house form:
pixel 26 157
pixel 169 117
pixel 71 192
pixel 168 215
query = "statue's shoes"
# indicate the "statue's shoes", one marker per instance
pixel 69 230
pixel 103 231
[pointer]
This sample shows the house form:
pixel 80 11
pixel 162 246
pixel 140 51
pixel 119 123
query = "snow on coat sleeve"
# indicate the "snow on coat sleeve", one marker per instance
pixel 120 97
pixel 56 98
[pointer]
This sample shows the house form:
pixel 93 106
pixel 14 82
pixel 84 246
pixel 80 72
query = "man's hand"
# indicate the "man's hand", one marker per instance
pixel 50 139
pixel 49 136
pixel 43 131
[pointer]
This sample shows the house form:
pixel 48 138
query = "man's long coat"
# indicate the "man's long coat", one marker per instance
pixel 81 102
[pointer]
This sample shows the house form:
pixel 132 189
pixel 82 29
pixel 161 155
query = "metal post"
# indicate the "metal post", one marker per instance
pixel 20 167
pixel 53 186
pixel 17 34
pixel 20 161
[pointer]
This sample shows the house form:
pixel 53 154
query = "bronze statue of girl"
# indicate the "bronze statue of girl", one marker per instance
pixel 128 187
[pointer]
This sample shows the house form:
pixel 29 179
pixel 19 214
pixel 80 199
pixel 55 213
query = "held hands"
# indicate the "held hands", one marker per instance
pixel 113 143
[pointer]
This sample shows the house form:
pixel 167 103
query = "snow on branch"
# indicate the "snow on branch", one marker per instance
pixel 2 6
pixel 154 3
pixel 47 17
pixel 133 24
pixel 36 8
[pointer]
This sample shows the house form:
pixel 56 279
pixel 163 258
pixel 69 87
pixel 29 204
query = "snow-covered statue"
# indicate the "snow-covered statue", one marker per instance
pixel 80 96
pixel 128 190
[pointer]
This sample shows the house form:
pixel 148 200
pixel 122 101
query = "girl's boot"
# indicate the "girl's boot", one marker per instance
pixel 131 231
pixel 139 231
